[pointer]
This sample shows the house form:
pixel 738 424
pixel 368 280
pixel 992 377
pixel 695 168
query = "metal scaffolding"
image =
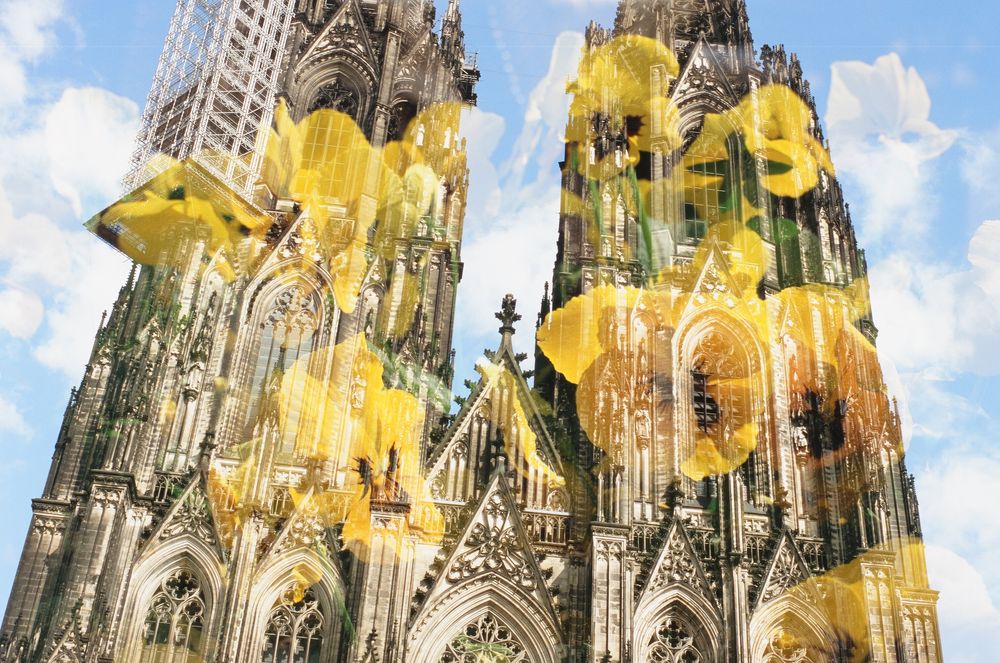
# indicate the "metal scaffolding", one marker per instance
pixel 215 87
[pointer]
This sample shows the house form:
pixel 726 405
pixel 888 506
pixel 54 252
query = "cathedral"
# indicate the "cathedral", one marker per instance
pixel 265 461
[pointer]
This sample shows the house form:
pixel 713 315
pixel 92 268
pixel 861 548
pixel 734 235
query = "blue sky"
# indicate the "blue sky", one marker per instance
pixel 909 91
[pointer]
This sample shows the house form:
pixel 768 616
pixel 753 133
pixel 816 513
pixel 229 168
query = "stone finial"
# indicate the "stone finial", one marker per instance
pixel 508 314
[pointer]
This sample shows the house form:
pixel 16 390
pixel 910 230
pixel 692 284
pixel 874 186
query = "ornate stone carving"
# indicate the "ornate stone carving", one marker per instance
pixel 190 516
pixel 486 639
pixel 678 562
pixel 786 571
pixel 495 544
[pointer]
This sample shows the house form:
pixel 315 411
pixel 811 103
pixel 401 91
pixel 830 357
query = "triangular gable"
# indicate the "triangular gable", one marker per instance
pixel 703 74
pixel 786 570
pixel 506 359
pixel 417 58
pixel 191 514
pixel 305 528
pixel 300 241
pixel 677 562
pixel 715 283
pixel 494 543
pixel 345 31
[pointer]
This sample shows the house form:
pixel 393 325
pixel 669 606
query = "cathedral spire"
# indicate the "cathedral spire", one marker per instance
pixel 720 21
pixel 507 315
pixel 452 37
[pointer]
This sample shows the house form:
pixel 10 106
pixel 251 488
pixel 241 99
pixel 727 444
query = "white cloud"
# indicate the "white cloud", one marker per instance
pixel 89 136
pixel 510 241
pixel 934 316
pixel 25 35
pixel 97 273
pixel 959 505
pixel 21 312
pixel 966 613
pixel 882 139
pixel 11 420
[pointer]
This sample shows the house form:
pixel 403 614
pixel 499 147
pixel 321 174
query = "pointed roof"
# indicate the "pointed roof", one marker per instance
pixel 787 569
pixel 191 514
pixel 677 562
pixel 703 73
pixel 506 358
pixel 715 282
pixel 494 543
pixel 305 528
pixel 345 31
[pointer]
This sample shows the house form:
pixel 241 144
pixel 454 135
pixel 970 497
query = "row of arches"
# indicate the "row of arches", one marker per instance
pixel 178 610
pixel 179 614
pixel 679 627
pixel 175 622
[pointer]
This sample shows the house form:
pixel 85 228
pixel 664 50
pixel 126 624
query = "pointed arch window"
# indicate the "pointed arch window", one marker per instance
pixel 175 621
pixel 786 644
pixel 336 96
pixel 287 338
pixel 674 641
pixel 294 632
pixel 485 639
pixel 726 395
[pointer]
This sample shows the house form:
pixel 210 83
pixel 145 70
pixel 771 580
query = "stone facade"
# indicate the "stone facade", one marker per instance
pixel 551 548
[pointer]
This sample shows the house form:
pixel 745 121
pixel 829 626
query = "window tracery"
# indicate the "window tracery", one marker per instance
pixel 294 632
pixel 785 646
pixel 674 642
pixel 725 389
pixel 286 339
pixel 485 639
pixel 336 96
pixel 175 621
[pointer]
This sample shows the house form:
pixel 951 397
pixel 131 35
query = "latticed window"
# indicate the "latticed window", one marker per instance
pixel 706 410
pixel 674 642
pixel 175 620
pixel 336 96
pixel 705 194
pixel 286 339
pixel 486 639
pixel 294 632
pixel 785 646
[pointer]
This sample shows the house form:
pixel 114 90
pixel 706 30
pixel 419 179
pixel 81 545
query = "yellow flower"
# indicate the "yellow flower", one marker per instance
pixel 156 224
pixel 519 439
pixel 782 135
pixel 324 158
pixel 379 428
pixel 616 81
pixel 851 593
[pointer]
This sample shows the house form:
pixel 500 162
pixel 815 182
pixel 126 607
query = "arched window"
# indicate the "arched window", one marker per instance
pixel 725 395
pixel 705 194
pixel 786 645
pixel 485 639
pixel 175 621
pixel 674 641
pixel 287 337
pixel 336 96
pixel 294 632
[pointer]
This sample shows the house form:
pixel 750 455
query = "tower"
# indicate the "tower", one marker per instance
pixel 260 463
pixel 145 544
pixel 709 337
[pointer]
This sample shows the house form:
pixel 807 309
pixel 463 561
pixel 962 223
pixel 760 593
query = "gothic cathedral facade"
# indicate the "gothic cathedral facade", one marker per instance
pixel 558 522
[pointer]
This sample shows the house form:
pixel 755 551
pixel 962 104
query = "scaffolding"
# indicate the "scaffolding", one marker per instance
pixel 215 87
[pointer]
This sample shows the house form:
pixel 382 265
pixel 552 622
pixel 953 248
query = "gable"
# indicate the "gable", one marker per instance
pixel 677 563
pixel 704 75
pixel 786 570
pixel 191 515
pixel 494 546
pixel 346 32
